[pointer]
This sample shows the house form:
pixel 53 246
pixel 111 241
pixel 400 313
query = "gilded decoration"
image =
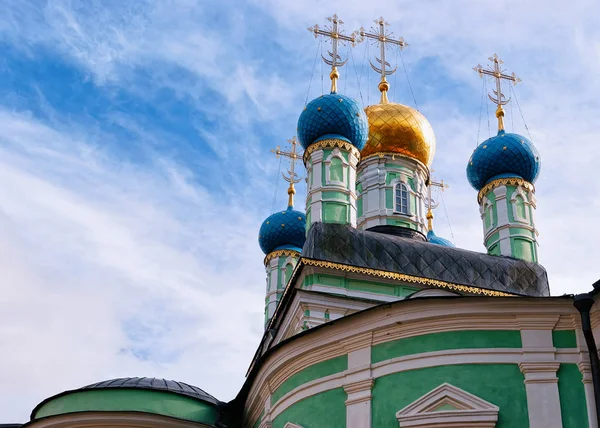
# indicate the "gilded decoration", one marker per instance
pixel 405 278
pixel 330 143
pixel 514 181
pixel 280 253
pixel 396 128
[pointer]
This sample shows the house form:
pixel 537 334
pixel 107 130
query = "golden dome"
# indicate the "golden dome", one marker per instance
pixel 396 128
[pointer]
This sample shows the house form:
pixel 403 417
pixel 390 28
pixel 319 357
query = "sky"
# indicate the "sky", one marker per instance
pixel 135 164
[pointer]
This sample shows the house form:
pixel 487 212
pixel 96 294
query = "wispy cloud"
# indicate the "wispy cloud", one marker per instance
pixel 134 168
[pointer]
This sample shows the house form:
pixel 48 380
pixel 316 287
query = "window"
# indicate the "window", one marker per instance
pixel 401 199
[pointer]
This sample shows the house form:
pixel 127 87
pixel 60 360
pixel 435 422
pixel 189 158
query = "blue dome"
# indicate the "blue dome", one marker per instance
pixel 434 239
pixel 284 230
pixel 333 114
pixel 502 156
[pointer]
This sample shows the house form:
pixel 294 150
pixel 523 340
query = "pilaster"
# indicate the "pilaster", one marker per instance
pixel 539 366
pixel 359 382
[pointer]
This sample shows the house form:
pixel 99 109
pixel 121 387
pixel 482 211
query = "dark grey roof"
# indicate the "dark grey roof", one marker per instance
pixel 347 245
pixel 155 384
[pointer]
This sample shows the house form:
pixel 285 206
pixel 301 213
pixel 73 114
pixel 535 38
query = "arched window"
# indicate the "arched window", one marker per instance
pixel 336 170
pixel 520 207
pixel 401 198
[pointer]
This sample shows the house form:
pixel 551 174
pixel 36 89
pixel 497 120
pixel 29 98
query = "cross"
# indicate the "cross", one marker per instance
pixel 383 38
pixel 498 74
pixel 336 35
pixel 293 154
pixel 430 203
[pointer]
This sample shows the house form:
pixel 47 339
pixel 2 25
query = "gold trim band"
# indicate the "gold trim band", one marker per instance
pixel 279 253
pixel 503 182
pixel 404 277
pixel 329 143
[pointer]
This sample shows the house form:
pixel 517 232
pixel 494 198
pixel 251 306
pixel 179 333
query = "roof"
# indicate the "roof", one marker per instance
pixel 346 245
pixel 153 383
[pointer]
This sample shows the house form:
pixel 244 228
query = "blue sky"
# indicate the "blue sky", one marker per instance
pixel 135 168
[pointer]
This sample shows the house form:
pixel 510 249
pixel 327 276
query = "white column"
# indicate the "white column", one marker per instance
pixel 539 366
pixel 586 371
pixel 359 382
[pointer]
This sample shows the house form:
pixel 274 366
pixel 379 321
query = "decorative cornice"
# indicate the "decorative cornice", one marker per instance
pixel 503 182
pixel 404 277
pixel 540 372
pixel 329 143
pixel 279 253
pixel 380 155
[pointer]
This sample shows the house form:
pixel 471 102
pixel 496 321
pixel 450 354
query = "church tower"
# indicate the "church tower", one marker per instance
pixel 332 128
pixel 394 167
pixel 503 169
pixel 281 238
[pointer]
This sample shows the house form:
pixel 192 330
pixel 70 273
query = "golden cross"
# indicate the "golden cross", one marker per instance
pixel 383 38
pixel 336 35
pixel 430 203
pixel 498 74
pixel 293 154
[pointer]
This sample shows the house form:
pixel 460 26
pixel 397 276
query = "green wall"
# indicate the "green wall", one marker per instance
pixel 564 339
pixel 358 285
pixel 446 340
pixel 571 391
pixel 131 400
pixel 500 384
pixel 316 371
pixel 326 409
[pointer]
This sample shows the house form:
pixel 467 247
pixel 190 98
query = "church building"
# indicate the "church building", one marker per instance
pixel 371 319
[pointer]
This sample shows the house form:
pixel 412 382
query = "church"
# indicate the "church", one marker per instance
pixel 371 319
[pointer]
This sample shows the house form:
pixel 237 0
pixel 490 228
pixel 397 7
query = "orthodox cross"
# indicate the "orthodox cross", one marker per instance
pixel 430 204
pixel 336 35
pixel 498 74
pixel 383 38
pixel 293 154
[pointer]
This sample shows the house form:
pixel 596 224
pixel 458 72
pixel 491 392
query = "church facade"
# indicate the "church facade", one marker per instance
pixel 371 319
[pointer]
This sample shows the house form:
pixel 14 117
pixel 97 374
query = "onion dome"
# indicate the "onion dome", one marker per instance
pixel 505 155
pixel 106 401
pixel 399 129
pixel 333 115
pixel 284 230
pixel 438 240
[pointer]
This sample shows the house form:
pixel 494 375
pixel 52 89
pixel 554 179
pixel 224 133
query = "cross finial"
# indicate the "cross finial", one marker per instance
pixel 431 204
pixel 498 74
pixel 293 154
pixel 336 35
pixel 383 38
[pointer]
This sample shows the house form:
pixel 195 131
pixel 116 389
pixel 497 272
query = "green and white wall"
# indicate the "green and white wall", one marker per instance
pixel 514 362
pixel 279 266
pixel 507 212
pixel 331 179
pixel 377 178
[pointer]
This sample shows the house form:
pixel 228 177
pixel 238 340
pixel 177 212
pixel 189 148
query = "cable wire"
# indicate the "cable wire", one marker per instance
pixel 521 111
pixel 356 74
pixel 480 111
pixel 276 185
pixel 448 218
pixel 487 105
pixel 312 73
pixel 408 79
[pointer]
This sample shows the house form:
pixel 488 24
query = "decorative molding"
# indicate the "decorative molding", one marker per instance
pixel 360 341
pixel 359 392
pixel 292 425
pixel 381 155
pixel 330 143
pixel 503 182
pixel 113 419
pixel 404 278
pixel 539 372
pixel 279 253
pixel 469 411
pixel 537 322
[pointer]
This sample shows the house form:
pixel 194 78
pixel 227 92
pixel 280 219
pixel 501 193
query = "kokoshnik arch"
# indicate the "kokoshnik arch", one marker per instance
pixel 371 319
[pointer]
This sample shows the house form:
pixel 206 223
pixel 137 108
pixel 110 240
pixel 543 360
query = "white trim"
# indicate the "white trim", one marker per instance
pixel 336 153
pixel 113 419
pixel 513 200
pixel 470 410
pixel 292 425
